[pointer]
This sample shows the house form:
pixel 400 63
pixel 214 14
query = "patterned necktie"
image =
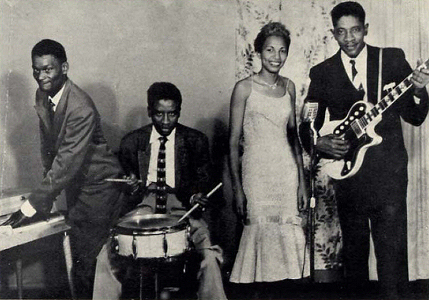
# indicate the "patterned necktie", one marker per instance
pixel 51 110
pixel 161 193
pixel 354 71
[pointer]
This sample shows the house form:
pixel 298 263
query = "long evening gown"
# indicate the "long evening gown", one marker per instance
pixel 272 246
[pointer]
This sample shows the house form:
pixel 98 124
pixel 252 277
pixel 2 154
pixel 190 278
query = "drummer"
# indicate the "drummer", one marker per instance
pixel 168 166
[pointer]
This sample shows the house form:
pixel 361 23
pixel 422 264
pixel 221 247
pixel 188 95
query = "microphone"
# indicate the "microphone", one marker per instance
pixel 309 115
pixel 310 111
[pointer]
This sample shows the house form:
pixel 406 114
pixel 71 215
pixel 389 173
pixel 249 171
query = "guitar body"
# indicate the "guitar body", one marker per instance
pixel 360 140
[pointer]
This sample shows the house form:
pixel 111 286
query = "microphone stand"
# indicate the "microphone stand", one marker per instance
pixel 312 206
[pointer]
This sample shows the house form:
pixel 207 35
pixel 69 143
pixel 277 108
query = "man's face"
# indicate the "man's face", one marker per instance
pixel 165 114
pixel 349 33
pixel 49 73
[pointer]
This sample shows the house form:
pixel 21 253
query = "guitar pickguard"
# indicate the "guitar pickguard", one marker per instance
pixel 360 140
pixel 357 111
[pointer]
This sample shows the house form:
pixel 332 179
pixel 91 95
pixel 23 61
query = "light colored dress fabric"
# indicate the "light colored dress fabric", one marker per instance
pixel 272 245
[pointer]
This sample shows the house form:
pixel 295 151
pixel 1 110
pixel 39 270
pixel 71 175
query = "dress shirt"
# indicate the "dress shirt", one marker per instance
pixel 361 68
pixel 169 158
pixel 57 97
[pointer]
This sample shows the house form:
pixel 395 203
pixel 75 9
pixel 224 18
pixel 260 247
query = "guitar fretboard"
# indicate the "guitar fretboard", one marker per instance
pixel 362 123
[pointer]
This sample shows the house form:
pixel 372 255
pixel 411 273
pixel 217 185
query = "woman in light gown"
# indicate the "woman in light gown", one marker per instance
pixel 270 191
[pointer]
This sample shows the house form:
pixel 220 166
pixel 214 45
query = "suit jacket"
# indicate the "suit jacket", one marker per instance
pixel 332 89
pixel 75 154
pixel 192 160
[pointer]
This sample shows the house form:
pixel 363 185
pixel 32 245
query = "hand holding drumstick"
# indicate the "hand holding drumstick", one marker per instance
pixel 200 200
pixel 131 181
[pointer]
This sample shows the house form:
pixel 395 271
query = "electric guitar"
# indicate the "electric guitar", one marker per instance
pixel 358 128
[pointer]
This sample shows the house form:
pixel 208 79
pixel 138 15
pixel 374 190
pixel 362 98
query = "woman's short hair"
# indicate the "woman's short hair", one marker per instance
pixel 271 29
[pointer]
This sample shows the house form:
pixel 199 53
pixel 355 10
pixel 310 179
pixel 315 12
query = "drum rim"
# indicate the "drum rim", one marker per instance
pixel 118 229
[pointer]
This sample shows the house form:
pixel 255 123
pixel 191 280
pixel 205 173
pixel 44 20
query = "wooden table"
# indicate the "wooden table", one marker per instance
pixel 10 238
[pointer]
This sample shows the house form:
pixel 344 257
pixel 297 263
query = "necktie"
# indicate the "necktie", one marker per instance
pixel 354 71
pixel 161 193
pixel 51 110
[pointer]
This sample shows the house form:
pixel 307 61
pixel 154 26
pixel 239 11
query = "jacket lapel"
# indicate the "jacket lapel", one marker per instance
pixel 179 150
pixel 42 109
pixel 60 111
pixel 144 156
pixel 339 72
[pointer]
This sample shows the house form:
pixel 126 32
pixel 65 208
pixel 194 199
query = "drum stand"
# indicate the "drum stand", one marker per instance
pixel 154 266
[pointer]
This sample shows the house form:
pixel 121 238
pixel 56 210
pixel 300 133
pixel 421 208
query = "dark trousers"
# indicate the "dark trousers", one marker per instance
pixel 93 210
pixel 382 210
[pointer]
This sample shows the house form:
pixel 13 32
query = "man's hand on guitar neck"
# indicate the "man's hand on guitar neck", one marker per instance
pixel 333 145
pixel 420 78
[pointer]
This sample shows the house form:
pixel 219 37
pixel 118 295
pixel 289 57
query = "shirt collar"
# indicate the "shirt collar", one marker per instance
pixel 154 136
pixel 360 59
pixel 57 96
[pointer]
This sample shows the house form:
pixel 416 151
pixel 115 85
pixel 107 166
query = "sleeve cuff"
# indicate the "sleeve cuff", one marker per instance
pixel 27 209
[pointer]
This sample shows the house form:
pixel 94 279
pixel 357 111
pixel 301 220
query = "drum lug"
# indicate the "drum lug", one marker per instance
pixel 188 236
pixel 134 247
pixel 165 244
pixel 114 244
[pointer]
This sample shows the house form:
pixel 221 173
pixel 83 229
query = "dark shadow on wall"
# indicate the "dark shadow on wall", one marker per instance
pixel 22 130
pixel 224 227
pixel 107 105
pixel 136 118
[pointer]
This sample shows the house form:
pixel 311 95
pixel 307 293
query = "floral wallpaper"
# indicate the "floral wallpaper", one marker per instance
pixel 311 42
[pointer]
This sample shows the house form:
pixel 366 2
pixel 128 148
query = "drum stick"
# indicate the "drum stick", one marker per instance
pixel 119 180
pixel 196 205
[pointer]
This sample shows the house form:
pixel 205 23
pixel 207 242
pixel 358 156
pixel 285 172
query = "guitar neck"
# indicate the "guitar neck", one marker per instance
pixel 389 99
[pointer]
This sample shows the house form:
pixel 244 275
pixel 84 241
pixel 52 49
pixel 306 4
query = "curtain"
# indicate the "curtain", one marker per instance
pixel 392 23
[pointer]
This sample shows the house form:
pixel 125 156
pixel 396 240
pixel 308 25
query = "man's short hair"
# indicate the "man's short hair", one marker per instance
pixel 163 90
pixel 349 8
pixel 49 47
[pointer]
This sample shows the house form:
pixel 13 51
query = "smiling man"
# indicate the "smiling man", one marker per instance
pixel 76 159
pixel 375 197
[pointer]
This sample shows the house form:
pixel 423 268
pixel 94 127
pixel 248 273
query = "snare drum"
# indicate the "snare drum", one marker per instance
pixel 151 236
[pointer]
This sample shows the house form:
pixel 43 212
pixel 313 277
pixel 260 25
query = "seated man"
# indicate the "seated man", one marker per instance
pixel 168 165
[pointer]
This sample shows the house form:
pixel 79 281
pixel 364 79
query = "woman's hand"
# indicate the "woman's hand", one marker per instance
pixel 303 197
pixel 241 205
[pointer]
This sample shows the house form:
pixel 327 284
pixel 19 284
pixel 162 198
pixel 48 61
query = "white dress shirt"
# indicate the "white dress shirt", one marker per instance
pixel 360 81
pixel 57 97
pixel 169 158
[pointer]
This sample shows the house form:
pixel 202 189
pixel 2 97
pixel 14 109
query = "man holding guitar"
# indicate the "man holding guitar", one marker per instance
pixel 368 143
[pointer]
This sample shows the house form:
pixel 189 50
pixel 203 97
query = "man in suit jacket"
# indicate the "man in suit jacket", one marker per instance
pixel 76 159
pixel 377 192
pixel 186 174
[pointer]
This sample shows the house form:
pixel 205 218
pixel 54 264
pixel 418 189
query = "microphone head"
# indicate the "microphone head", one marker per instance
pixel 310 111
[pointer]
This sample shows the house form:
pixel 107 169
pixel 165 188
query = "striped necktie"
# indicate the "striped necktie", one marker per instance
pixel 161 193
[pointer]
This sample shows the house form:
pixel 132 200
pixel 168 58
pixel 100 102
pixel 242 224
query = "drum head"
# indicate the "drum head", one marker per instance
pixel 150 224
